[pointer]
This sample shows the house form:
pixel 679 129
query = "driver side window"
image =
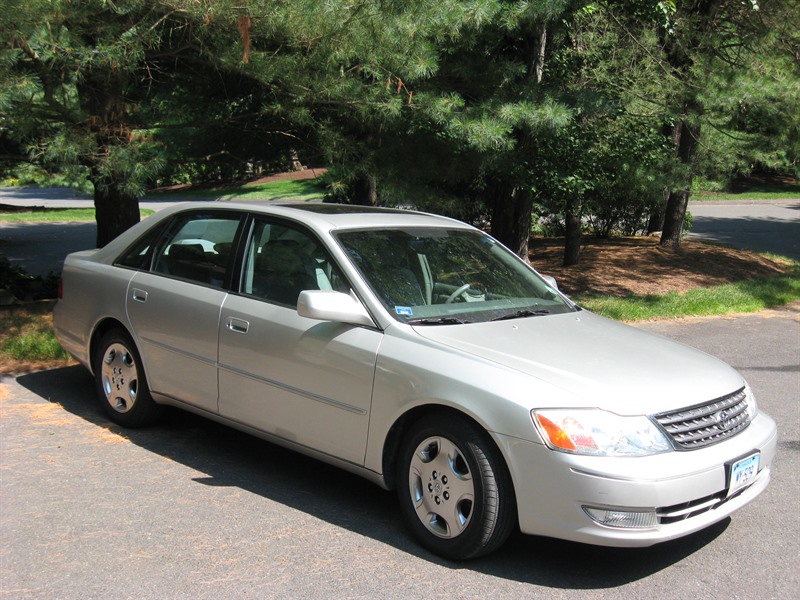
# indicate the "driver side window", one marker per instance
pixel 282 261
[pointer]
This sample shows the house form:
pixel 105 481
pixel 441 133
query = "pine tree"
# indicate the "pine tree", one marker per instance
pixel 101 87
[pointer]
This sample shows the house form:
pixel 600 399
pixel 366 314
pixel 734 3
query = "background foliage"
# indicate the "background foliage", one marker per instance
pixel 564 116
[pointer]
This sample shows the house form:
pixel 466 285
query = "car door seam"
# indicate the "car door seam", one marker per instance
pixel 310 395
pixel 174 349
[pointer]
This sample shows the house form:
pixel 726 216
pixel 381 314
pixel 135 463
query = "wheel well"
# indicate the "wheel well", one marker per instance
pixel 103 327
pixel 398 431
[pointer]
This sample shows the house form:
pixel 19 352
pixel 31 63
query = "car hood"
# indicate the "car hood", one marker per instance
pixel 596 361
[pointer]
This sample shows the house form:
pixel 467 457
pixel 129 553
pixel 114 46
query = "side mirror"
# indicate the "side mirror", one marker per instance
pixel 329 305
pixel 551 281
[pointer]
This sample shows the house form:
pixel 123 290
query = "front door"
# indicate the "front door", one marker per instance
pixel 306 381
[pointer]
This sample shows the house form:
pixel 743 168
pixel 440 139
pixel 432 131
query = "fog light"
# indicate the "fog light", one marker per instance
pixel 622 519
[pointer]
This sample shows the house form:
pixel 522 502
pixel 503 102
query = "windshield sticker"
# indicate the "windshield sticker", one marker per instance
pixel 403 311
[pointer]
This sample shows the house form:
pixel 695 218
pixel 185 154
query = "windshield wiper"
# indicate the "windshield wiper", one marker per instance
pixel 525 312
pixel 437 321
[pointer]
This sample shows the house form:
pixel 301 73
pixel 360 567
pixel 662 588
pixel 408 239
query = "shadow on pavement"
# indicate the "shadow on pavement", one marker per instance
pixel 234 459
pixel 759 234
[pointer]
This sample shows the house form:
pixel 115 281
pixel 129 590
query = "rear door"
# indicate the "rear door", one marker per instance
pixel 174 308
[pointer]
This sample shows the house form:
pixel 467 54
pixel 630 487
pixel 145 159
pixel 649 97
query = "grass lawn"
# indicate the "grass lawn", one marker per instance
pixel 714 196
pixel 27 342
pixel 744 296
pixel 295 189
pixel 56 214
pixel 755 191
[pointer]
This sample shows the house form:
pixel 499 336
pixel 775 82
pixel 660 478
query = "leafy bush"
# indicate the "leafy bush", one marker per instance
pixel 24 286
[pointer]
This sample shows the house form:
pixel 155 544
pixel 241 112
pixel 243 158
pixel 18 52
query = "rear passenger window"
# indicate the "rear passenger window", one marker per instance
pixel 198 248
pixel 140 254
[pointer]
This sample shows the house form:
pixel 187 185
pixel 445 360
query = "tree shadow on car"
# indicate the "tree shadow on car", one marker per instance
pixel 229 458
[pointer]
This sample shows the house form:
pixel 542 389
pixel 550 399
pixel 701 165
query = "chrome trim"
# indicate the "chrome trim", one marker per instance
pixel 705 424
pixel 687 510
pixel 701 507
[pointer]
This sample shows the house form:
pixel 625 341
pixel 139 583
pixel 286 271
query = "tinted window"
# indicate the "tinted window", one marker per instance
pixel 198 248
pixel 140 254
pixel 282 261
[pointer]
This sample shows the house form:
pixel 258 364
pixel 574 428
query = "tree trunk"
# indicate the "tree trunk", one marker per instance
pixel 572 234
pixel 686 131
pixel 365 191
pixel 685 138
pixel 511 218
pixel 297 164
pixel 100 93
pixel 538 66
pixel 115 212
pixel 674 215
pixel 656 220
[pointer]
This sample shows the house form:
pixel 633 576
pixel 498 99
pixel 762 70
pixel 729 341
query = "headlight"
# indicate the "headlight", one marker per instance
pixel 599 433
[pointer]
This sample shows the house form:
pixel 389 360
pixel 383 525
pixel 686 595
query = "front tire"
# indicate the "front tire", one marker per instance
pixel 121 383
pixel 454 488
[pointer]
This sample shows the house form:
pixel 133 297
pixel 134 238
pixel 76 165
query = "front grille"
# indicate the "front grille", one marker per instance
pixel 709 423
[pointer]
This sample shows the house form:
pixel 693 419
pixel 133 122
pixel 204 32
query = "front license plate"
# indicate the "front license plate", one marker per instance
pixel 743 472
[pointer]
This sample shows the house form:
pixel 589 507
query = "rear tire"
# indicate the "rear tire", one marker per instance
pixel 454 488
pixel 121 383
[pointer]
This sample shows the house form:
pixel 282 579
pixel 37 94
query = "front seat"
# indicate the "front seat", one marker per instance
pixel 280 272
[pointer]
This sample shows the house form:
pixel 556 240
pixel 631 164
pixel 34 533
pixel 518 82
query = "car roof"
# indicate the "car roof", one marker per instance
pixel 324 218
pixel 344 216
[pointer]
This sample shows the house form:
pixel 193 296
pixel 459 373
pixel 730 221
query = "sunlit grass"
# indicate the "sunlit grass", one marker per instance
pixel 27 336
pixel 744 296
pixel 288 189
pixel 765 191
pixel 746 196
pixel 56 214
pixel 295 189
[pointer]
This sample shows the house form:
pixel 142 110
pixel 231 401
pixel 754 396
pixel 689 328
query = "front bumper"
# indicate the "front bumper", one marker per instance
pixel 686 489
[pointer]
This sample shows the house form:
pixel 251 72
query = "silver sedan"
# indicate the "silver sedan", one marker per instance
pixel 419 353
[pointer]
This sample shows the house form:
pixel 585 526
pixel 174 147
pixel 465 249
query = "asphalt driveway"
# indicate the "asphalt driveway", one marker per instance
pixel 40 248
pixel 764 226
pixel 191 509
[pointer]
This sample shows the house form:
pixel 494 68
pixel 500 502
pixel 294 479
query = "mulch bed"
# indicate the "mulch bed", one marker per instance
pixel 621 266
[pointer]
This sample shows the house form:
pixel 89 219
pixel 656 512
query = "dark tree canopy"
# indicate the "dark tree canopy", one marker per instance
pixel 119 91
pixel 558 114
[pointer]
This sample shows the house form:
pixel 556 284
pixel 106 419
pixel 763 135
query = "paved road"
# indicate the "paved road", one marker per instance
pixel 40 248
pixel 190 509
pixel 67 198
pixel 765 226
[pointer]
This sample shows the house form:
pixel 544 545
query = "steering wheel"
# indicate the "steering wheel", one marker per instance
pixel 457 293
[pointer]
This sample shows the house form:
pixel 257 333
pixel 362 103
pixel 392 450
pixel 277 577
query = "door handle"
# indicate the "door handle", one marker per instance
pixel 139 295
pixel 237 325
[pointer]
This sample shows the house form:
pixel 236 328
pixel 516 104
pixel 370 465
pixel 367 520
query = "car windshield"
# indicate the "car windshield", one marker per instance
pixel 435 276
